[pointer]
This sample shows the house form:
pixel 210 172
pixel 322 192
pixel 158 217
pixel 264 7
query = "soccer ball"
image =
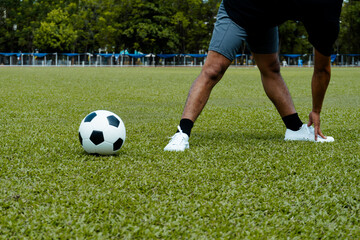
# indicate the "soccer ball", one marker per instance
pixel 102 132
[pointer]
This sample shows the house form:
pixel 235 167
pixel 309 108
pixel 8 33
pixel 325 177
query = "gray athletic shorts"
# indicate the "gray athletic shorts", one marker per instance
pixel 227 37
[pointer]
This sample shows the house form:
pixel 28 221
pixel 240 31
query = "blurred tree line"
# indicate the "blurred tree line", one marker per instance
pixel 150 26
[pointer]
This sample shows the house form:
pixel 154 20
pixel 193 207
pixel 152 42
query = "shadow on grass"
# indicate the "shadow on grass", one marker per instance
pixel 96 156
pixel 214 137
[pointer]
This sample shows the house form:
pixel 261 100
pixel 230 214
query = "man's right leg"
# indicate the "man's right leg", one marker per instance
pixel 226 40
pixel 211 73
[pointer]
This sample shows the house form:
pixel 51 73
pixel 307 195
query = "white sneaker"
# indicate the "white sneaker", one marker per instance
pixel 178 142
pixel 305 133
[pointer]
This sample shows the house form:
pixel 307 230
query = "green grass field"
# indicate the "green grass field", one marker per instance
pixel 238 180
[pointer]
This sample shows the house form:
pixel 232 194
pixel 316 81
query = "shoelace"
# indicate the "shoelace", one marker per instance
pixel 310 130
pixel 178 137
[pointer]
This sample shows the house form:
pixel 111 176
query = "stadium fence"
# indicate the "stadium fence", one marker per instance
pixel 127 59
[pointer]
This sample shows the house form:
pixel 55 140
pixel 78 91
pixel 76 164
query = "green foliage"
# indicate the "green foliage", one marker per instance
pixel 239 179
pixel 56 33
pixel 147 27
pixel 157 26
pixel 293 38
pixel 7 33
pixel 349 40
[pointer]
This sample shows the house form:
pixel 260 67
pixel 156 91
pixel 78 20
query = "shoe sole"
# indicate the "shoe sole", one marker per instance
pixel 328 139
pixel 177 150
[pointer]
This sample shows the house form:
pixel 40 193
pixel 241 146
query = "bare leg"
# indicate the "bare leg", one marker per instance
pixel 211 73
pixel 274 84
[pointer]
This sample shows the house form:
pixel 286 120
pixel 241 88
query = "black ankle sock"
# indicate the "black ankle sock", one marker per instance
pixel 292 122
pixel 186 126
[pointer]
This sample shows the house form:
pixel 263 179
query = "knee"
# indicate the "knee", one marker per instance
pixel 322 71
pixel 271 68
pixel 213 72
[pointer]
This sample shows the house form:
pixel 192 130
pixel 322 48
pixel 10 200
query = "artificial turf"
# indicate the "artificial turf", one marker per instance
pixel 238 180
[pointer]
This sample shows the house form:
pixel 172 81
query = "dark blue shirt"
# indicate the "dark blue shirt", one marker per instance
pixel 320 17
pixel 270 13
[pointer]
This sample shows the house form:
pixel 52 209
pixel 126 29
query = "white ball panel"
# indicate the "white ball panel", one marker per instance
pixel 112 134
pixel 105 148
pixel 88 146
pixel 99 123
pixel 85 129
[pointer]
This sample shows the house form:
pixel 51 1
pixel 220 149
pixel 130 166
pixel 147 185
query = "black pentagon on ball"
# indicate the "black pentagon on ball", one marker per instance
pixel 113 121
pixel 97 137
pixel 80 138
pixel 90 117
pixel 118 144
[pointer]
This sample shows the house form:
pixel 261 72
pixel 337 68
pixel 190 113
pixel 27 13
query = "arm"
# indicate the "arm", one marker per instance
pixel 319 84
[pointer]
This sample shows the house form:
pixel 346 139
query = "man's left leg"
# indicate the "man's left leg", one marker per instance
pixel 277 90
pixel 278 93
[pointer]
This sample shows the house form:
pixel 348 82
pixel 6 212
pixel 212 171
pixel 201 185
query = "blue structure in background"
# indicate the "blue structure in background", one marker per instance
pixel 124 58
